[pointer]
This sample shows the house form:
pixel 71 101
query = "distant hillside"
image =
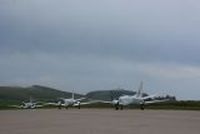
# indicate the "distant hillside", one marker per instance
pixel 109 94
pixel 37 92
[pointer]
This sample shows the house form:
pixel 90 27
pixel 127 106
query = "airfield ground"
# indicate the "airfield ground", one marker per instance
pixel 98 121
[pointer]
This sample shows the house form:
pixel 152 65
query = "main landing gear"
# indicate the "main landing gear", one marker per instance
pixel 142 106
pixel 117 107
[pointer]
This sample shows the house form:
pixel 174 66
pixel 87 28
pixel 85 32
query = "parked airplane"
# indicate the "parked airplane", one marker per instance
pixel 72 102
pixel 28 105
pixel 137 99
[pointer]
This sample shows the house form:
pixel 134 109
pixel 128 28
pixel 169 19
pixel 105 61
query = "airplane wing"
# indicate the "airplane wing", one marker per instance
pixel 102 101
pixel 51 104
pixel 92 102
pixel 156 101
pixel 39 106
pixel 15 106
pixel 89 102
pixel 149 97
pixel 80 99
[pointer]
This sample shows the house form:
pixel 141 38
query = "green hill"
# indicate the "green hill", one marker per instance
pixel 37 92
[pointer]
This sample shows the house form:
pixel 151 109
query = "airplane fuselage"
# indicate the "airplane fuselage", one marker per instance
pixel 127 100
pixel 28 105
pixel 70 102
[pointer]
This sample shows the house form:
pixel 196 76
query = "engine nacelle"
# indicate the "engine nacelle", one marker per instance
pixel 115 102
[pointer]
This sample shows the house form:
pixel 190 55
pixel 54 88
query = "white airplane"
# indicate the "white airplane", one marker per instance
pixel 71 102
pixel 28 105
pixel 137 99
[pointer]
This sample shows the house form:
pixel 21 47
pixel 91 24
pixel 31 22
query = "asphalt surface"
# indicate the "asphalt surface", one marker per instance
pixel 98 121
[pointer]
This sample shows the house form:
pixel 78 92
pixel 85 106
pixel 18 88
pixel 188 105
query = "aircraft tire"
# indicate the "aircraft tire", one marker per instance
pixel 142 106
pixel 121 107
pixel 116 108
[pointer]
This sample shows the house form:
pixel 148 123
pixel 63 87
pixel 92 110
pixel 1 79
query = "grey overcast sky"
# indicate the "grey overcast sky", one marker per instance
pixel 102 44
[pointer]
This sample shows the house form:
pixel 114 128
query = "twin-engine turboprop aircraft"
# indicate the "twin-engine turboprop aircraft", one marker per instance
pixel 72 102
pixel 28 105
pixel 63 102
pixel 137 99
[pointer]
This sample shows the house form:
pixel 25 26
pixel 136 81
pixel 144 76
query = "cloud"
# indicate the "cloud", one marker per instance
pixel 171 71
pixel 92 45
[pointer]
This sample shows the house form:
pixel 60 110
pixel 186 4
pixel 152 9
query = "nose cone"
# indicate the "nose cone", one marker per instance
pixel 115 102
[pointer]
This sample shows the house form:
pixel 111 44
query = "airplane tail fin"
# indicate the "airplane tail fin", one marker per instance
pixel 140 90
pixel 73 95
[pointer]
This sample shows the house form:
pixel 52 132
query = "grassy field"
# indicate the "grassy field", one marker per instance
pixel 182 105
